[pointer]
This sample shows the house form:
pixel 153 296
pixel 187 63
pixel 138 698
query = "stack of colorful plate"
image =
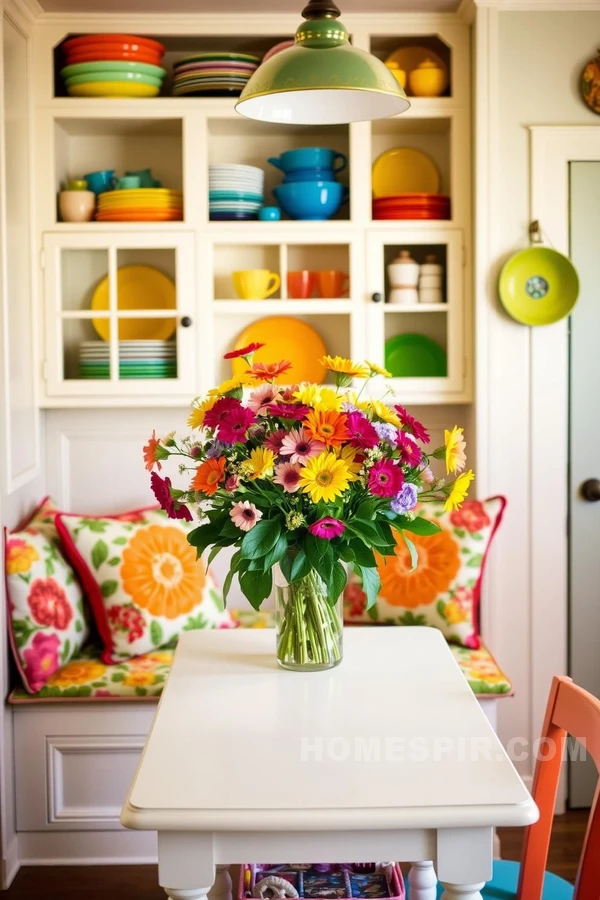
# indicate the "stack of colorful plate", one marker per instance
pixel 412 206
pixel 113 65
pixel 137 359
pixel 213 74
pixel 140 205
pixel 235 191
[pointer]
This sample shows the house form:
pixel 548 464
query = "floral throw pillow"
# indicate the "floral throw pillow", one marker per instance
pixel 47 624
pixel 444 589
pixel 143 580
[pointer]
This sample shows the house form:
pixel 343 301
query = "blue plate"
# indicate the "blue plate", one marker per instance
pixel 234 195
pixel 231 216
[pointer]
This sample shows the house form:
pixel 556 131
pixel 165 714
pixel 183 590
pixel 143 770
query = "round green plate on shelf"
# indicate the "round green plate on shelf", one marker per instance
pixel 415 356
pixel 538 286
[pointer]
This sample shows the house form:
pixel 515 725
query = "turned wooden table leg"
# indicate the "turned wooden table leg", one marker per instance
pixel 222 888
pixel 186 893
pixel 462 891
pixel 422 881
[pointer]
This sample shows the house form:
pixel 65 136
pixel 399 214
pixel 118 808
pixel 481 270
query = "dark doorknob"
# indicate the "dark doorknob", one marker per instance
pixel 590 490
pixel 186 322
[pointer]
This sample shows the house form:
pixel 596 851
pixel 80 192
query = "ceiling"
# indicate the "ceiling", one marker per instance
pixel 237 6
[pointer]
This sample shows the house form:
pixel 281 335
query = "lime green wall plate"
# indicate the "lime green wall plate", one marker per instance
pixel 538 286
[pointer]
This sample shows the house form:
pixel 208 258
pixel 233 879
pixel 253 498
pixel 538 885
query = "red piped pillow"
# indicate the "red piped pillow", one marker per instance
pixel 445 588
pixel 143 580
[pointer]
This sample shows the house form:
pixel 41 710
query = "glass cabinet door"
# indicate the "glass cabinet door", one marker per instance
pixel 416 321
pixel 119 314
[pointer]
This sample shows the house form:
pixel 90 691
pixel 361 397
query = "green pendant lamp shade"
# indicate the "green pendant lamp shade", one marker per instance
pixel 322 79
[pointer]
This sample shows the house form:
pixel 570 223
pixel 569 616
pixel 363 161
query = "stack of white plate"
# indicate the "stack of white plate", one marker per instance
pixel 235 191
pixel 137 359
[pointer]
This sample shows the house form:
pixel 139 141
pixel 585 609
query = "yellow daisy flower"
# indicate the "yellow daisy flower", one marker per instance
pixel 348 455
pixel 377 370
pixel 383 412
pixel 324 477
pixel 459 491
pixel 455 450
pixel 260 464
pixel 322 399
pixel 344 369
pixel 353 398
pixel 231 384
pixel 196 417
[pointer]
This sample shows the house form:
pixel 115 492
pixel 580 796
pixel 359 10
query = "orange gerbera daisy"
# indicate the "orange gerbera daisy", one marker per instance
pixel 269 371
pixel 438 565
pixel 161 573
pixel 209 476
pixel 328 427
pixel 152 453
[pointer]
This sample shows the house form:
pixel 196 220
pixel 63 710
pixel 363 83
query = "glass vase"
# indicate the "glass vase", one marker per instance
pixel 309 630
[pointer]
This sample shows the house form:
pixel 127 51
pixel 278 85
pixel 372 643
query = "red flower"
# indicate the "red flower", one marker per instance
pixel 220 411
pixel 245 351
pixel 161 488
pixel 49 604
pixel 269 371
pixel 385 478
pixel 471 515
pixel 289 411
pixel 128 620
pixel 412 425
pixel 234 428
pixel 355 599
pixel 410 454
pixel 362 434
pixel 41 660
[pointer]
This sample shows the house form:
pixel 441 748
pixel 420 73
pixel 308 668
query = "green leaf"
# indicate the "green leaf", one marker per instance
pixel 114 561
pixel 441 608
pixel 373 614
pixel 371 584
pixel 49 568
pixel 108 588
pixel 205 535
pixel 195 622
pixel 120 540
pixel 141 692
pixel 421 526
pixel 336 583
pixel 370 533
pixel 346 553
pixel 217 598
pixel 260 539
pixel 366 509
pixel 363 555
pixel 233 568
pixel 316 549
pixel 99 553
pixel 215 550
pixel 78 626
pixel 475 561
pixel 414 556
pixel 459 532
pixel 69 578
pixel 277 553
pixel 300 567
pixel 409 618
pixel 95 525
pixel 156 633
pixel 476 536
pixel 256 586
pixel 65 652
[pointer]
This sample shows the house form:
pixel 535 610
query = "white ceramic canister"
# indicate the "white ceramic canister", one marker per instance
pixel 403 296
pixel 431 281
pixel 403 271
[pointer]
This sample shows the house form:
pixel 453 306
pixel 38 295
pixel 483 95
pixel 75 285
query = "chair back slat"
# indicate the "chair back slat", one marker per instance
pixel 570 710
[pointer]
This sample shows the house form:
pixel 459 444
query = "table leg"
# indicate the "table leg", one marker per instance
pixel 186 893
pixel 422 881
pixel 462 891
pixel 222 888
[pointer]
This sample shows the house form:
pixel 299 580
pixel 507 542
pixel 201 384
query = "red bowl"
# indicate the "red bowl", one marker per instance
pixel 110 53
pixel 126 42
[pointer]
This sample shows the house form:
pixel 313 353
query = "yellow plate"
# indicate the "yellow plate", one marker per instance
pixel 142 203
pixel 404 170
pixel 138 287
pixel 141 192
pixel 112 89
pixel 409 58
pixel 285 338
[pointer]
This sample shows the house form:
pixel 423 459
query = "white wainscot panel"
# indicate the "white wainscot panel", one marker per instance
pixel 88 777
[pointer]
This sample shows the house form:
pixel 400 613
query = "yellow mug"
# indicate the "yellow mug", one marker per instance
pixel 255 284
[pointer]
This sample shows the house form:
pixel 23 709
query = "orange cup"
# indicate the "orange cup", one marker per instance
pixel 301 285
pixel 331 283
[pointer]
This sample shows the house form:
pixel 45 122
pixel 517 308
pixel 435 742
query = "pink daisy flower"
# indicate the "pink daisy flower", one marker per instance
pixel 327 528
pixel 362 434
pixel 232 484
pixel 234 428
pixel 220 411
pixel 427 475
pixel 289 411
pixel 412 425
pixel 385 478
pixel 300 447
pixel 260 399
pixel 274 441
pixel 245 515
pixel 410 454
pixel 288 476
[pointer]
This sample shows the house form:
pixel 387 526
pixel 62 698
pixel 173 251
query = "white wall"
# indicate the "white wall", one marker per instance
pixel 529 67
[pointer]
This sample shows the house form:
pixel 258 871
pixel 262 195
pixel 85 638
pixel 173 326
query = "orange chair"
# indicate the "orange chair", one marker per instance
pixel 570 710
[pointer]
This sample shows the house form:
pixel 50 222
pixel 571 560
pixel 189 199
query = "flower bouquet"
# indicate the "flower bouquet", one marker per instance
pixel 304 481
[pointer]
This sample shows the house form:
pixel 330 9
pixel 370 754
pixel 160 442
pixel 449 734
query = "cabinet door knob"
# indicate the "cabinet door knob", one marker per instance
pixel 186 322
pixel 590 490
pixel 376 297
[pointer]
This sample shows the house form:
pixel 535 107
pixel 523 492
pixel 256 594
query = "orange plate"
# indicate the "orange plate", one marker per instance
pixel 127 41
pixel 140 216
pixel 108 53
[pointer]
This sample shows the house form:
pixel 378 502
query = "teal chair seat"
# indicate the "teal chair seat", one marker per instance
pixel 505 878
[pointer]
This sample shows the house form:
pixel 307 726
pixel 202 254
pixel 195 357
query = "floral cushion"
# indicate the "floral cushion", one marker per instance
pixel 142 579
pixel 444 589
pixel 47 623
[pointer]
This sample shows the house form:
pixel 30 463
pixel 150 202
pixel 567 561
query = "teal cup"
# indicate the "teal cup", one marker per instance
pixel 145 176
pixel 128 182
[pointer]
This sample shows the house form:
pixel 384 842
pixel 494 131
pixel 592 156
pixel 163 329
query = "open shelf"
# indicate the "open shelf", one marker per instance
pixel 286 307
pixel 383 46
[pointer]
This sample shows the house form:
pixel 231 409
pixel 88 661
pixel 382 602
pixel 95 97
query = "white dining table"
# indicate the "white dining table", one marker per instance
pixel 386 757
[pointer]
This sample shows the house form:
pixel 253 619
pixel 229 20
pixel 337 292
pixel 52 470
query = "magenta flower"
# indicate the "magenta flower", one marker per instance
pixel 245 515
pixel 261 398
pixel 362 434
pixel 274 441
pixel 385 478
pixel 300 447
pixel 41 660
pixel 233 429
pixel 289 411
pixel 161 488
pixel 327 528
pixel 412 425
pixel 410 454
pixel 288 476
pixel 220 411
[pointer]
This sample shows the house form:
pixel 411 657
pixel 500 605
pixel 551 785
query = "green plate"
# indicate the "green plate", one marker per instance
pixel 538 286
pixel 131 77
pixel 206 57
pixel 415 356
pixel 113 66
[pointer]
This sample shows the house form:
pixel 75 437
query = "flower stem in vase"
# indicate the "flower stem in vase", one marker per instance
pixel 309 629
